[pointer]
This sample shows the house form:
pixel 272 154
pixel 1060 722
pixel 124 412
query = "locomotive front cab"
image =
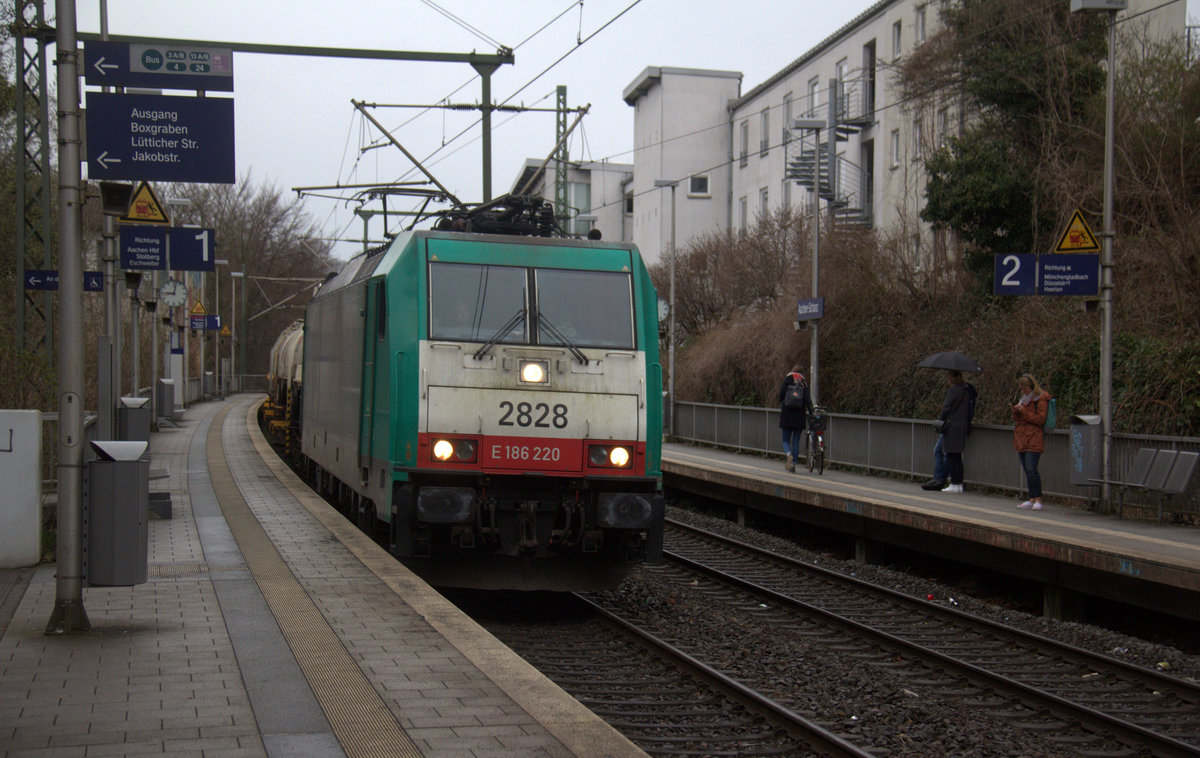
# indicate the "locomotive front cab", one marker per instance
pixel 534 432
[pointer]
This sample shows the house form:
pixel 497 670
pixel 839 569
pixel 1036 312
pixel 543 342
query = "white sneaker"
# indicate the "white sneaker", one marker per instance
pixel 1037 506
pixel 1026 504
pixel 952 488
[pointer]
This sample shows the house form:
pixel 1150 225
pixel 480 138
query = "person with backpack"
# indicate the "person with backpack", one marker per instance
pixel 795 404
pixel 955 418
pixel 1029 435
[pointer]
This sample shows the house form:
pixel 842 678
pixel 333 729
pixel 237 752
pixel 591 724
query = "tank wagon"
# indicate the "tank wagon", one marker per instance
pixel 491 406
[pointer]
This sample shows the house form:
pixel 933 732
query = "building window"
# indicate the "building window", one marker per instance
pixel 943 126
pixel 840 71
pixel 579 197
pixel 896 40
pixel 764 206
pixel 814 96
pixel 918 139
pixel 919 26
pixel 787 194
pixel 745 152
pixel 698 186
pixel 894 148
pixel 764 142
pixel 743 210
pixel 787 117
pixel 628 203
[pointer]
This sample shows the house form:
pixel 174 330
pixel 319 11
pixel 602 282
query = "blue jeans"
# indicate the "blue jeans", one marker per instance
pixel 1029 462
pixel 792 441
pixel 939 461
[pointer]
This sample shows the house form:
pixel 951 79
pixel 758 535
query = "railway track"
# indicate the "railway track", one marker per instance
pixel 1078 699
pixel 664 700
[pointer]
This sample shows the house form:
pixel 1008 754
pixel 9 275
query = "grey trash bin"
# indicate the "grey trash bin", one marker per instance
pixel 1086 448
pixel 133 419
pixel 165 399
pixel 116 523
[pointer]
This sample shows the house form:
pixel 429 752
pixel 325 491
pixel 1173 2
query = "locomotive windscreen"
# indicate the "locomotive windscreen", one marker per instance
pixel 473 302
pixel 589 308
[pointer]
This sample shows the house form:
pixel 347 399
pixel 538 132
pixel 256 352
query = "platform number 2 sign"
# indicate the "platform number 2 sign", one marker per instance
pixel 1015 275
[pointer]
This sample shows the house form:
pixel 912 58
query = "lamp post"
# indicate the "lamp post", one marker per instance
pixel 814 125
pixel 672 183
pixel 219 390
pixel 181 381
pixel 233 327
pixel 1106 243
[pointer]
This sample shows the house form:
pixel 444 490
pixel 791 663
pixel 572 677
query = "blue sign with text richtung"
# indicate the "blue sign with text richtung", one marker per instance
pixel 160 138
pixel 143 248
pixel 1057 274
pixel 1069 274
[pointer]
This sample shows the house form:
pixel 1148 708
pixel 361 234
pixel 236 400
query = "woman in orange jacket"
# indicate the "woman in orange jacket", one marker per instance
pixel 1028 437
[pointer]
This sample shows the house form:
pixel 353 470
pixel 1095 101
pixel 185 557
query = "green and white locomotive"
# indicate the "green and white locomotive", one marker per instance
pixel 493 405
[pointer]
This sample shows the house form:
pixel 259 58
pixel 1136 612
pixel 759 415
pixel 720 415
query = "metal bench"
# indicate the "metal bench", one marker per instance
pixel 1166 474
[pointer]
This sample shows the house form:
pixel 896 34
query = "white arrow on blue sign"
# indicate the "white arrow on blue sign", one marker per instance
pixel 160 138
pixel 161 64
pixel 47 279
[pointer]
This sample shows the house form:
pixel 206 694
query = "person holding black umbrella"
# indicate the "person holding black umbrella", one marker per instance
pixel 955 418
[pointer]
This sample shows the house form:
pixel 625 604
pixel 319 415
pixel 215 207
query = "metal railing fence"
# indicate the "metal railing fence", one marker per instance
pixel 905 446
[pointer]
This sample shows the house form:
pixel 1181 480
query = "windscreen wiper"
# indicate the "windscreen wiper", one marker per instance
pixel 562 338
pixel 482 352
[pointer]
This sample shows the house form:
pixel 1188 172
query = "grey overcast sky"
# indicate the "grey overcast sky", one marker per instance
pixel 295 126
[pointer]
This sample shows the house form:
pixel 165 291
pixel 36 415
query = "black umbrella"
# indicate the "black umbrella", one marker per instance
pixel 951 362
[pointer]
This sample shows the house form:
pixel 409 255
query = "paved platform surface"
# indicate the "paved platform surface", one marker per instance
pixel 269 627
pixel 1085 547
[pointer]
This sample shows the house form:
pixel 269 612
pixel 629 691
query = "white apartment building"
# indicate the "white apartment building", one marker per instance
pixel 737 158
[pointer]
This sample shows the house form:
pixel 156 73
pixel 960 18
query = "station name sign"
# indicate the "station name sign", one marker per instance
pixel 160 138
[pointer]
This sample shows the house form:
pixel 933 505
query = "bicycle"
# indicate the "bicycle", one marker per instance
pixel 816 440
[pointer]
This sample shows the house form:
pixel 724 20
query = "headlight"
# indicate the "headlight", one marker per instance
pixel 459 450
pixel 534 372
pixel 442 450
pixel 619 457
pixel 604 456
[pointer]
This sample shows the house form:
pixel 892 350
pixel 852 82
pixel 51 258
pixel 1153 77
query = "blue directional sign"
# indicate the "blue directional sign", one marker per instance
pixel 41 279
pixel 810 309
pixel 1015 275
pixel 161 64
pixel 47 279
pixel 1059 274
pixel 143 248
pixel 1069 274
pixel 192 248
pixel 160 138
pixel 209 323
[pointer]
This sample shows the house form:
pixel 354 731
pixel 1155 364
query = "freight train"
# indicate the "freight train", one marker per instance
pixel 489 405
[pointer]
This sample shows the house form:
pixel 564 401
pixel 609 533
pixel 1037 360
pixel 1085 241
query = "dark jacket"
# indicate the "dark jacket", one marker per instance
pixel 1028 435
pixel 957 415
pixel 794 418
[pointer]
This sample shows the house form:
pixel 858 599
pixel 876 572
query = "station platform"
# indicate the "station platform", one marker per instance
pixel 1073 553
pixel 269 626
